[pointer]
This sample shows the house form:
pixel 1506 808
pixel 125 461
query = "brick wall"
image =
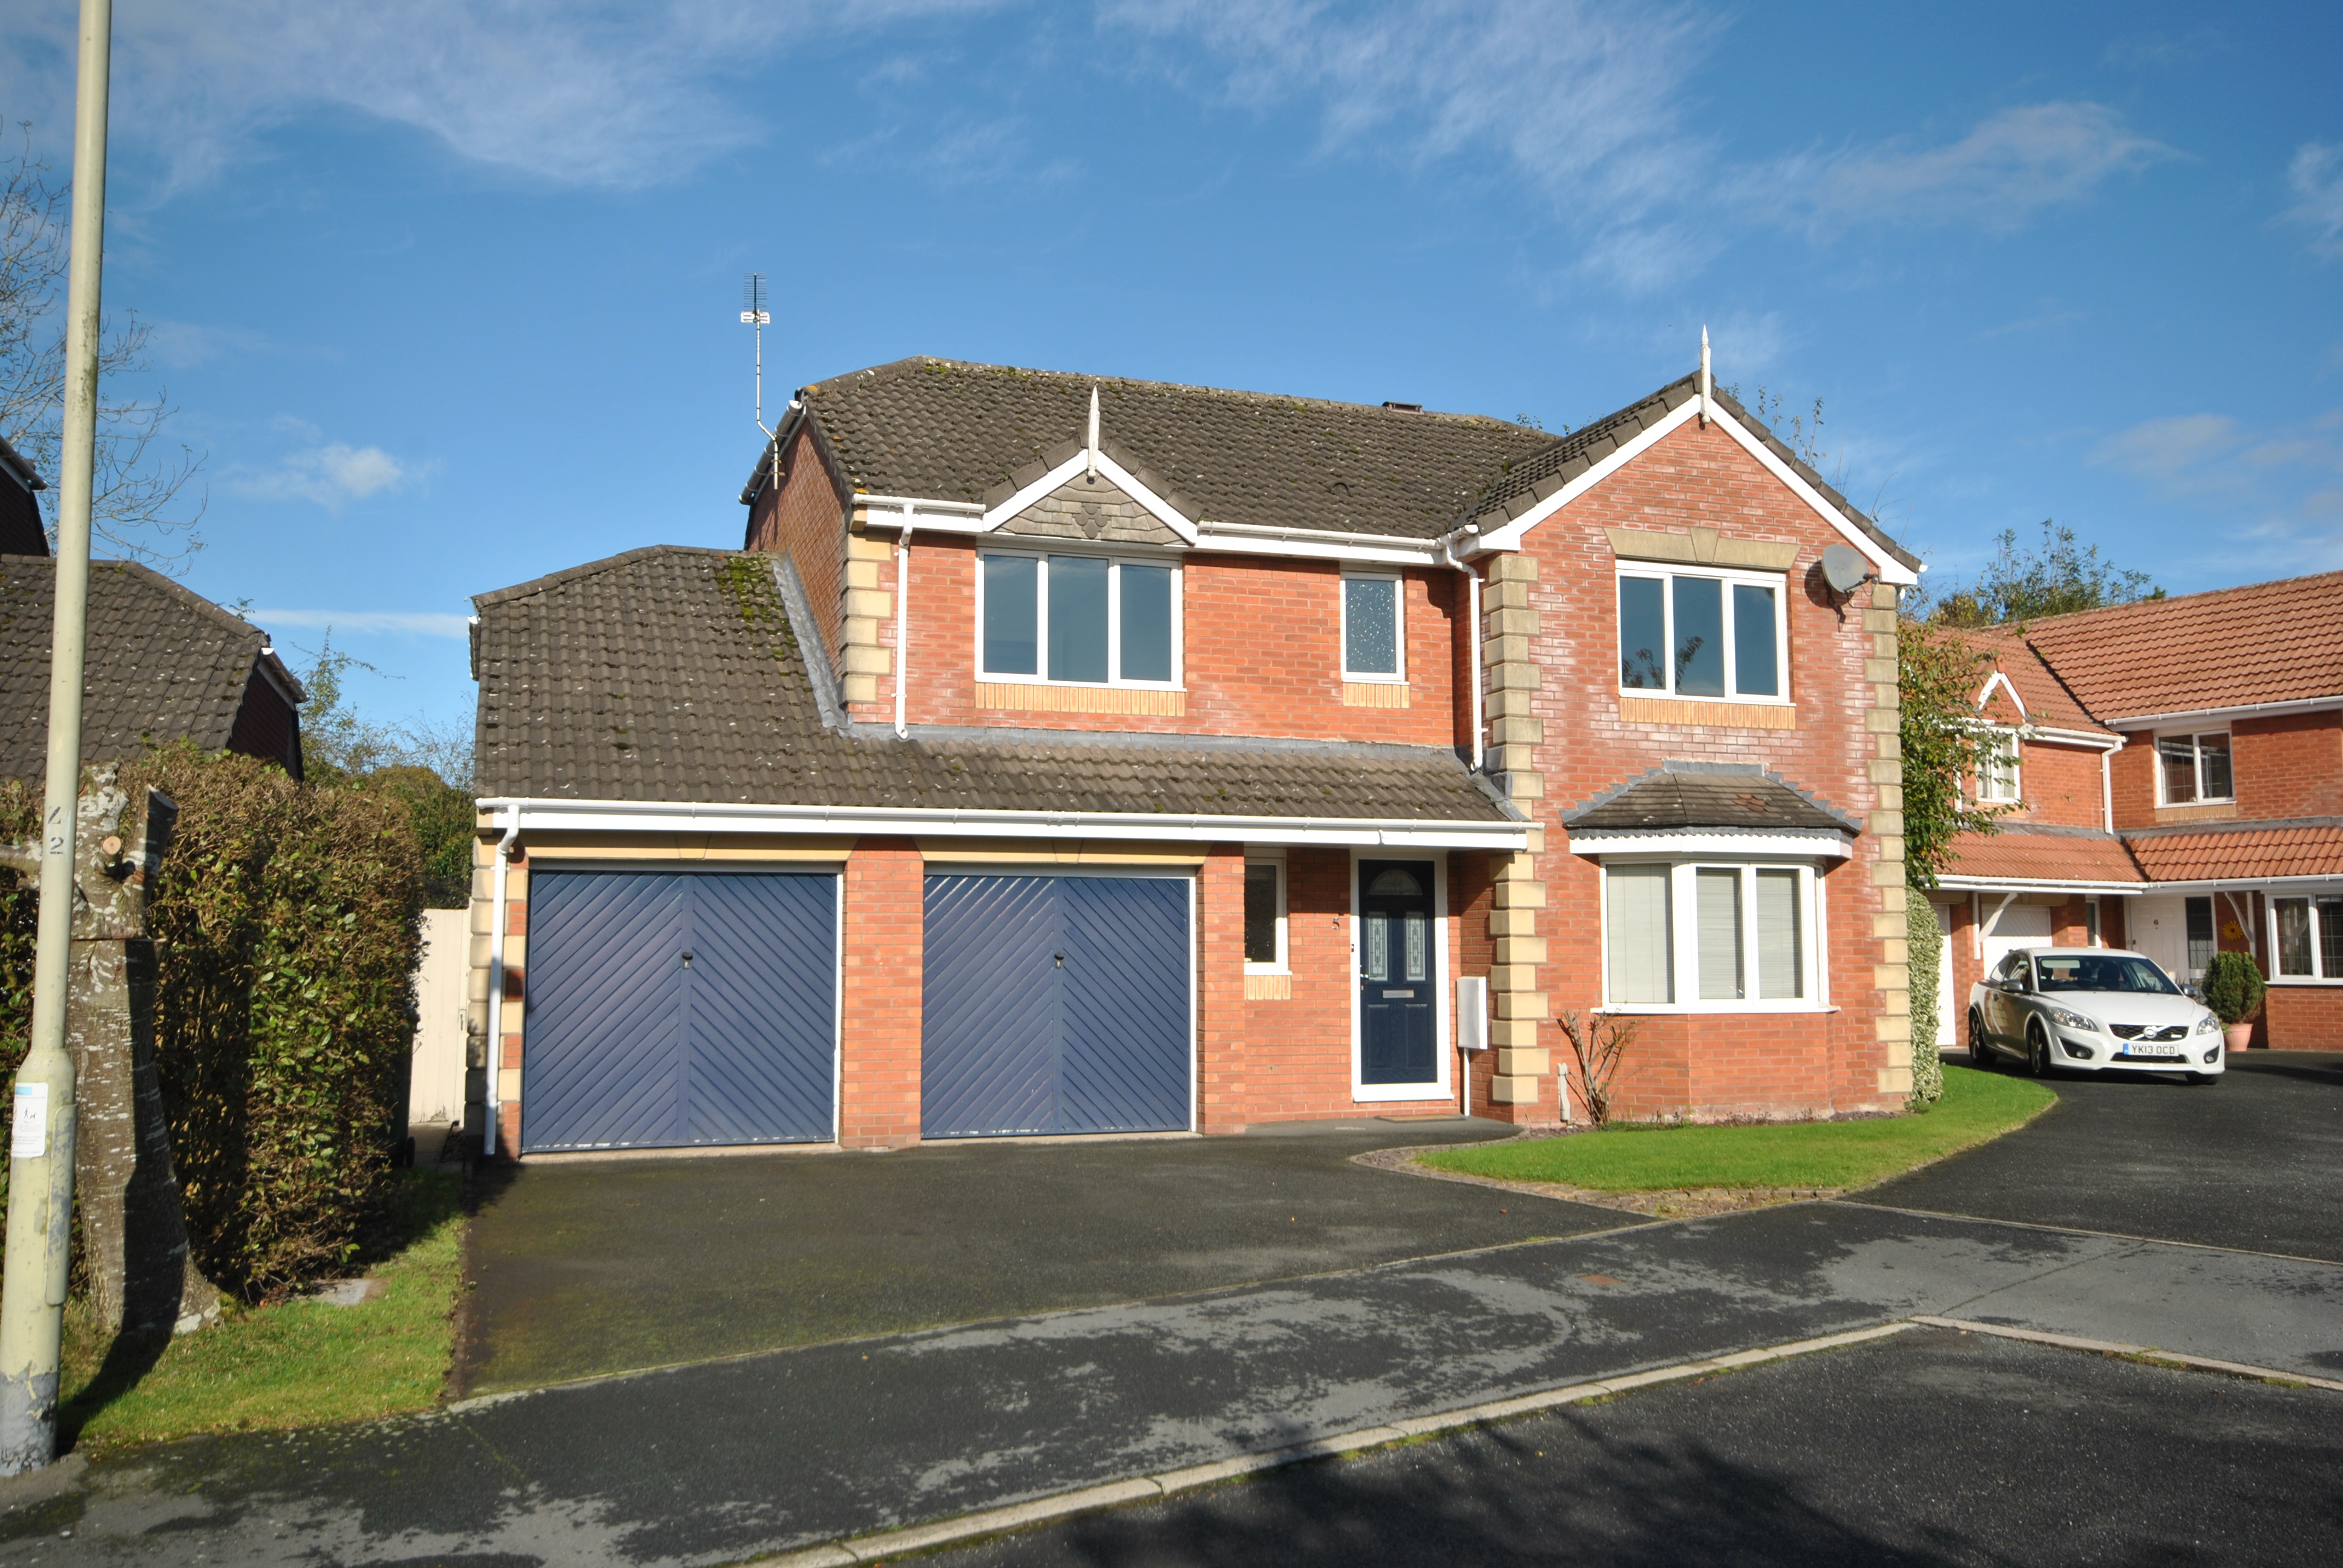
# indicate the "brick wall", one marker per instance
pixel 1223 1104
pixel 2060 785
pixel 2302 1018
pixel 1260 654
pixel 878 1091
pixel 1842 748
pixel 2289 766
pixel 810 527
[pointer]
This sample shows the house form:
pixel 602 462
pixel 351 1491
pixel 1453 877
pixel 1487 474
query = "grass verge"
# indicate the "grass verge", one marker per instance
pixel 296 1364
pixel 1635 1156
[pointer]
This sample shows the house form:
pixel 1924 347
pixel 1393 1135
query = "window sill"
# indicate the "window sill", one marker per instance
pixel 1712 1010
pixel 1718 712
pixel 1038 696
pixel 2197 811
pixel 1374 693
pixel 2311 980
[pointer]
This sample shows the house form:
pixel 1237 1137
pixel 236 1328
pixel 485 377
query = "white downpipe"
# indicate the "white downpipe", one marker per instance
pixel 1473 614
pixel 492 1093
pixel 2108 788
pixel 902 622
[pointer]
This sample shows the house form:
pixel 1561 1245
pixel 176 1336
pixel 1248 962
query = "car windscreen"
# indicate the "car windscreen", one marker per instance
pixel 2085 971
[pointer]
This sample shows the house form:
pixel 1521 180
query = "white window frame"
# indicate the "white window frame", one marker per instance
pixel 2194 735
pixel 1777 581
pixel 2318 975
pixel 1282 964
pixel 1999 736
pixel 1116 561
pixel 1683 934
pixel 1399 629
pixel 1444 967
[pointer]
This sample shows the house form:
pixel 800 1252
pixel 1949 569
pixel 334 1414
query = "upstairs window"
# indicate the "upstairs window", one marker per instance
pixel 2194 768
pixel 1085 620
pixel 1996 778
pixel 1710 635
pixel 1372 630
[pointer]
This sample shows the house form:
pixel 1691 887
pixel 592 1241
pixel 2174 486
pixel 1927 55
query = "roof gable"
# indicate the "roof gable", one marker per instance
pixel 948 431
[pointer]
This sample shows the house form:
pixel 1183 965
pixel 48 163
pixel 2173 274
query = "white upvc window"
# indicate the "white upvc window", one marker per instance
pixel 2307 935
pixel 1265 916
pixel 1375 626
pixel 1997 772
pixel 1702 936
pixel 1716 635
pixel 1061 618
pixel 2194 768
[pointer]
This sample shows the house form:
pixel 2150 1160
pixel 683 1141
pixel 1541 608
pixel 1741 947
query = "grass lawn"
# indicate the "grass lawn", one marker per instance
pixel 1646 1157
pixel 299 1363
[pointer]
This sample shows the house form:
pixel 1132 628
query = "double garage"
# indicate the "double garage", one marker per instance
pixel 673 1008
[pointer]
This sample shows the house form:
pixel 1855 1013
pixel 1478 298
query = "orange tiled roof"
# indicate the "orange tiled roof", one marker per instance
pixel 2254 852
pixel 2270 642
pixel 2013 855
pixel 2047 701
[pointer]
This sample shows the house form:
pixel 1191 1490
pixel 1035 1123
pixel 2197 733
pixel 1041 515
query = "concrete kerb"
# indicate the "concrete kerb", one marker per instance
pixel 969 1528
pixel 2143 1353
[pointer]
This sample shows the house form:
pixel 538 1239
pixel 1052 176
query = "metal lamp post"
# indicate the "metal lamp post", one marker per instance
pixel 41 1146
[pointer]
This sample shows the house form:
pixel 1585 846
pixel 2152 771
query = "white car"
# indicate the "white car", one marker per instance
pixel 2093 1010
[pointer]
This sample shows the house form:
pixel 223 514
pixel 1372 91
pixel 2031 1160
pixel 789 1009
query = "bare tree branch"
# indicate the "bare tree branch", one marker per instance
pixel 135 501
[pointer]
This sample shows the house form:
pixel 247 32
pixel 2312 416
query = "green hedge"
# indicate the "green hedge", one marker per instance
pixel 287 920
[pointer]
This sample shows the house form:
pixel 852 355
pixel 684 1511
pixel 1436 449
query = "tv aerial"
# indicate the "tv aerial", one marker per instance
pixel 754 313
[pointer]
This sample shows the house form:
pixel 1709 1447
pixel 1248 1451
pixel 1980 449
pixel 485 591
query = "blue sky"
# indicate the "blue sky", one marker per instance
pixel 447 292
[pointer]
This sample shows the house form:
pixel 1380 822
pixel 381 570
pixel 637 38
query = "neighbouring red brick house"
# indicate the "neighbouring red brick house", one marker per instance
pixel 2179 766
pixel 1071 755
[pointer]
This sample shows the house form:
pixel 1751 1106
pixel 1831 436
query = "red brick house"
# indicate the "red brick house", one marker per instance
pixel 2179 769
pixel 1066 754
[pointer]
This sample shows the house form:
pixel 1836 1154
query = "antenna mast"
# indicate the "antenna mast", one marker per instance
pixel 754 313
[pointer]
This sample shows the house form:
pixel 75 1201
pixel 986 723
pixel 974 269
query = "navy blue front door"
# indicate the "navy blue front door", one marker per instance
pixel 1055 1004
pixel 668 1010
pixel 1398 1039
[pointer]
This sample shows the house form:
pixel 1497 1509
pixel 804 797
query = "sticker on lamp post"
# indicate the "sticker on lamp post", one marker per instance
pixel 30 1139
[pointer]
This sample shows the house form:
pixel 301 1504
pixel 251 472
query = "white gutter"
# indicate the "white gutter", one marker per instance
pixel 727 817
pixel 1802 843
pixel 2202 715
pixel 1431 549
pixel 902 622
pixel 2074 738
pixel 492 1093
pixel 2015 885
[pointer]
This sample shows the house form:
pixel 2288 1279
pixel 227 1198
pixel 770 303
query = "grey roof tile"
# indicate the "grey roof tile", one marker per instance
pixel 164 663
pixel 672 673
pixel 1707 795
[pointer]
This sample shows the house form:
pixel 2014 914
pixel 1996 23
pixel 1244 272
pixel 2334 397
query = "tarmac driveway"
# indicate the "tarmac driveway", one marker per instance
pixel 2254 1162
pixel 587 1268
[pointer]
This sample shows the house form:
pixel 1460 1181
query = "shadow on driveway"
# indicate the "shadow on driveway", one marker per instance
pixel 2255 1161
pixel 610 1266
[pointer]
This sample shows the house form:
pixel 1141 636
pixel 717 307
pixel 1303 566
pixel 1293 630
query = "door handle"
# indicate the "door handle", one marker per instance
pixel 1061 961
pixel 687 957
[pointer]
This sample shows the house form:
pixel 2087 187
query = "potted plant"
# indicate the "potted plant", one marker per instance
pixel 2232 989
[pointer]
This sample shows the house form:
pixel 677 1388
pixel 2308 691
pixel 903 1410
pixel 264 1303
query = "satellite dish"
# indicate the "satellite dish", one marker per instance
pixel 1845 568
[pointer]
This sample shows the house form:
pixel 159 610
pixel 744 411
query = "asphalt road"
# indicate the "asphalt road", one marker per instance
pixel 590 1268
pixel 1934 1447
pixel 2254 1162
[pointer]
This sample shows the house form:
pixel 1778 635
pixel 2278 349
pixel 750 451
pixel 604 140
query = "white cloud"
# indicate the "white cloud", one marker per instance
pixel 330 474
pixel 2283 486
pixel 2317 175
pixel 1581 98
pixel 580 92
pixel 1999 175
pixel 420 623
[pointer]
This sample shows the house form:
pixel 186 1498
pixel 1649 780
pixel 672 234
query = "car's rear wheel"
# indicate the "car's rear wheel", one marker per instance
pixel 2037 1049
pixel 1980 1053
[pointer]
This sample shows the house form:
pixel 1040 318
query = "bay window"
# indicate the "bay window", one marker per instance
pixel 1715 635
pixel 2194 768
pixel 2309 936
pixel 1708 937
pixel 1084 619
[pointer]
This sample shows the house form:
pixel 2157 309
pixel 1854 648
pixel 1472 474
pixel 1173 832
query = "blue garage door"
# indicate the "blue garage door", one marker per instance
pixel 1055 1004
pixel 668 1010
